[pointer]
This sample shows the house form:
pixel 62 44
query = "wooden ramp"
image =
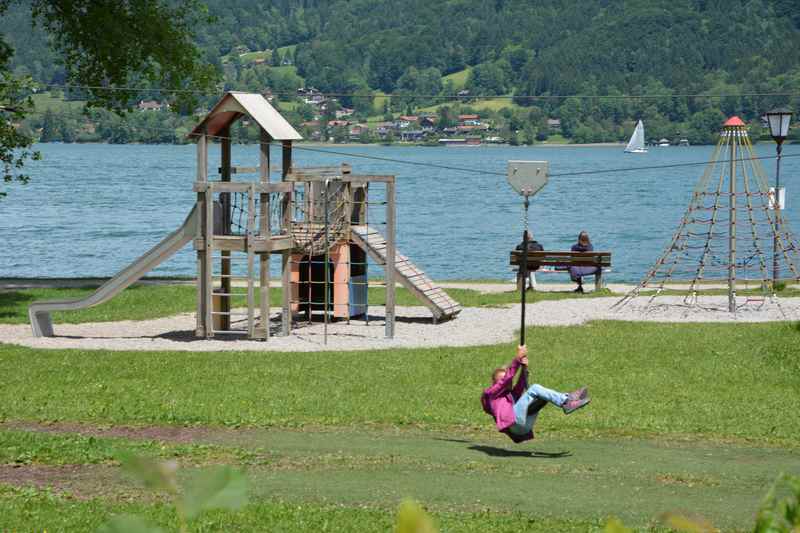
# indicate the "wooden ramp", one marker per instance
pixel 408 274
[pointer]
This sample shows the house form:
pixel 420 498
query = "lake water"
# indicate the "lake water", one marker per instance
pixel 89 210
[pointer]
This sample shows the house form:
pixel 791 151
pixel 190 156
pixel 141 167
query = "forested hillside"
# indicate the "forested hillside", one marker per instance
pixel 538 52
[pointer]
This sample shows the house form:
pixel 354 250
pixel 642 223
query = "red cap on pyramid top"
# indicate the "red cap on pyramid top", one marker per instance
pixel 733 122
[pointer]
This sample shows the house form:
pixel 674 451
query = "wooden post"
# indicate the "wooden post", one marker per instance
pixel 390 254
pixel 251 232
pixel 225 202
pixel 264 230
pixel 733 131
pixel 286 321
pixel 202 177
pixel 207 262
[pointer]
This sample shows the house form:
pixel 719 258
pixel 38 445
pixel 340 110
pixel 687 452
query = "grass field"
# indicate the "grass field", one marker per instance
pixel 458 79
pixel 698 418
pixel 249 57
pixel 155 301
pixel 484 104
pixel 48 102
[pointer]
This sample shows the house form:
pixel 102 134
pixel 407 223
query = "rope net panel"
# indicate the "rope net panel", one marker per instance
pixel 331 270
pixel 729 236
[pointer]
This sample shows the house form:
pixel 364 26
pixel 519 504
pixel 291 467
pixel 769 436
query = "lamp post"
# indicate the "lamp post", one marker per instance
pixel 779 120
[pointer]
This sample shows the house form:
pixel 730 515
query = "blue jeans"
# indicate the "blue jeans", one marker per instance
pixel 542 396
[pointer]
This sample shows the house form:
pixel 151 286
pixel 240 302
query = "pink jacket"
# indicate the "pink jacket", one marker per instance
pixel 498 401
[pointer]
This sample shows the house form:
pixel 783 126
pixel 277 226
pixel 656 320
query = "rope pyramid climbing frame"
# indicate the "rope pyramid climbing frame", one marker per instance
pixel 730 233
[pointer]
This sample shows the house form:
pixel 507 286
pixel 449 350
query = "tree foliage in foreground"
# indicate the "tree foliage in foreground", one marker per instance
pixel 119 45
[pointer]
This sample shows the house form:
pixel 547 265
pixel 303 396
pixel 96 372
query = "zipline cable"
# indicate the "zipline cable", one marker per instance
pixel 445 167
pixel 122 88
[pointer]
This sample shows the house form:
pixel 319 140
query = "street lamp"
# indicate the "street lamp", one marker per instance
pixel 779 120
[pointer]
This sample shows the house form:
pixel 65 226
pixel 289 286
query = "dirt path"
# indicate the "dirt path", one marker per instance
pixel 633 478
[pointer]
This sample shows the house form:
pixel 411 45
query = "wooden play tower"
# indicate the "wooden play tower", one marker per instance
pixel 315 219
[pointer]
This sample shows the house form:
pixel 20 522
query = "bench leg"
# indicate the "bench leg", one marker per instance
pixel 598 280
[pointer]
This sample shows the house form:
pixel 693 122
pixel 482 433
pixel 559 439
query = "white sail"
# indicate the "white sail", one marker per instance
pixel 636 144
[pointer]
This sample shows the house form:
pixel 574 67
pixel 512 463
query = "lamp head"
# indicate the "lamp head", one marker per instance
pixel 779 120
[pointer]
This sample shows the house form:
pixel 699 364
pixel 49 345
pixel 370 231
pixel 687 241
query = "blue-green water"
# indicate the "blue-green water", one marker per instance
pixel 91 209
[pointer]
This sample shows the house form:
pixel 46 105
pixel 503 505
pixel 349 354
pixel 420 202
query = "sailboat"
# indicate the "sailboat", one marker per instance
pixel 636 144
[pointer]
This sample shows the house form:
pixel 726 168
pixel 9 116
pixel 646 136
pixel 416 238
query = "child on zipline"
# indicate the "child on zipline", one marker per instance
pixel 516 408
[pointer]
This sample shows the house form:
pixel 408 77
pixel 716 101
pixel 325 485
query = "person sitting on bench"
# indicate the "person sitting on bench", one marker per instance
pixel 576 273
pixel 533 246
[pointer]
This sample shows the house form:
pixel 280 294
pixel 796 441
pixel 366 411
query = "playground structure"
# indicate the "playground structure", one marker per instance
pixel 317 220
pixel 729 233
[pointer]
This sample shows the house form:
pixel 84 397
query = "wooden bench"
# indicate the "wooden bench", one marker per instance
pixel 564 260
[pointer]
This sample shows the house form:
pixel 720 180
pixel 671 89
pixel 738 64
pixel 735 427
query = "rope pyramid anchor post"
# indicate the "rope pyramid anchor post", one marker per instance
pixel 714 246
pixel 527 178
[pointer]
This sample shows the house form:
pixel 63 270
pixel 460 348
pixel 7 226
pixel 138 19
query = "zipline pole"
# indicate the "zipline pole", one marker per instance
pixel 527 178
pixel 523 272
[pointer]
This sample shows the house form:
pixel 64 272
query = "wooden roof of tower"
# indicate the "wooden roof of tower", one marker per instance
pixel 234 105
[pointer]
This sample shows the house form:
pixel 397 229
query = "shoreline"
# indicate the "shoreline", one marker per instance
pixel 315 144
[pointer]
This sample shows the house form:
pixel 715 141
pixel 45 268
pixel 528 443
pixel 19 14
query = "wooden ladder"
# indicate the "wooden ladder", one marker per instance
pixel 441 305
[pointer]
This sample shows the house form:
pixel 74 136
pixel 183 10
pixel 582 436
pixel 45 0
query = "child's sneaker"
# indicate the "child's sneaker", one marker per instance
pixel 570 406
pixel 578 394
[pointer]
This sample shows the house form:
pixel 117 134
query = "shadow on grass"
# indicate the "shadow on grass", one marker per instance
pixel 11 301
pixel 503 452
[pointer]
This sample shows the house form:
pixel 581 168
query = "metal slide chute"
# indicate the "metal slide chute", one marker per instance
pixel 39 312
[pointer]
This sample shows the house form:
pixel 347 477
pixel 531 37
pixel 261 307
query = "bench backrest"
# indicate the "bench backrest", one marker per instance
pixel 563 259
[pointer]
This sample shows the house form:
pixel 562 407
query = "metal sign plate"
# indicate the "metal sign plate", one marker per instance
pixel 527 177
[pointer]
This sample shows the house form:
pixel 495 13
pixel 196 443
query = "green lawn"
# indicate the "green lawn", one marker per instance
pixel 47 102
pixel 647 380
pixel 482 104
pixel 155 301
pixel 378 104
pixel 284 49
pixel 286 69
pixel 458 79
pixel 693 417
pixel 249 57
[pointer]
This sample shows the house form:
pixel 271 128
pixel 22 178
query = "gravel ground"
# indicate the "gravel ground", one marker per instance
pixel 413 329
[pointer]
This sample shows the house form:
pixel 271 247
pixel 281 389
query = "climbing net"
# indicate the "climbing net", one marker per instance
pixel 729 233
pixel 330 270
pixel 239 213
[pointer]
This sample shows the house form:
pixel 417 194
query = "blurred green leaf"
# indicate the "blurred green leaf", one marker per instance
pixel 128 524
pixel 217 488
pixel 157 475
pixel 615 525
pixel 780 510
pixel 412 518
pixel 687 525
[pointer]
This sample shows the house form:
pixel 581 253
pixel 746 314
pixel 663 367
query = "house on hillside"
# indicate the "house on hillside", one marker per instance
pixel 152 105
pixel 412 135
pixel 469 120
pixel 382 129
pixel 554 124
pixel 428 122
pixel 357 130
pixel 406 121
pixel 344 112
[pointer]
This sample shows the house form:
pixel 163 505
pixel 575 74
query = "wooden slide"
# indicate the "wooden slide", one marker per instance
pixel 408 274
